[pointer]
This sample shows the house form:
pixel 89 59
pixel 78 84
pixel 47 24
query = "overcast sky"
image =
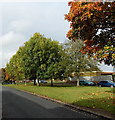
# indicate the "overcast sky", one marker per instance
pixel 20 20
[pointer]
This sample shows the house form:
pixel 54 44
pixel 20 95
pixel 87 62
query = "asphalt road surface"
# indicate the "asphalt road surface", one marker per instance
pixel 18 104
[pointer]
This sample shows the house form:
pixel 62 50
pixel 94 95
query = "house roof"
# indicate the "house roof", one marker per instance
pixel 107 73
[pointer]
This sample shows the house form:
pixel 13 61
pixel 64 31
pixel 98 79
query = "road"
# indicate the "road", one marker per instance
pixel 18 104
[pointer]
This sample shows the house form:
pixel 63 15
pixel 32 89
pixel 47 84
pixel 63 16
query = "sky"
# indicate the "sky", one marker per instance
pixel 20 19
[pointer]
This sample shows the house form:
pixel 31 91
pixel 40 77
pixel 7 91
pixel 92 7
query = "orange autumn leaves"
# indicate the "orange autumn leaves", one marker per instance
pixel 86 19
pixel 81 10
pixel 78 14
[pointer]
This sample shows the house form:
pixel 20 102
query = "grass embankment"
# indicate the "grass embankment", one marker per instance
pixel 92 97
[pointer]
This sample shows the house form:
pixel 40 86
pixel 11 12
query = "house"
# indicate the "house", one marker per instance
pixel 111 75
pixel 94 76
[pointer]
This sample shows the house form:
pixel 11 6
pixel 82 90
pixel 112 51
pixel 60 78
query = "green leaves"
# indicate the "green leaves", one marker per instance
pixel 76 61
pixel 37 59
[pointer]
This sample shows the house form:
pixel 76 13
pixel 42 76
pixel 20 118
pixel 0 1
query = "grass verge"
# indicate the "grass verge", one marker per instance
pixel 91 97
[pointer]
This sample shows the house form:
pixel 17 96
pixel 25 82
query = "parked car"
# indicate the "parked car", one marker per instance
pixel 86 82
pixel 5 82
pixel 106 83
pixel 43 81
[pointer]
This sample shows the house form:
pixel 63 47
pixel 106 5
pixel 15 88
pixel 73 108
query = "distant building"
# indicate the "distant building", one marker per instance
pixel 94 76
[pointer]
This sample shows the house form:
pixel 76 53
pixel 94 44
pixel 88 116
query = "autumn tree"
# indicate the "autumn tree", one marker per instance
pixel 2 74
pixel 93 22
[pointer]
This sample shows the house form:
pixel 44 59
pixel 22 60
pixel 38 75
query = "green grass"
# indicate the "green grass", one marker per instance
pixel 92 97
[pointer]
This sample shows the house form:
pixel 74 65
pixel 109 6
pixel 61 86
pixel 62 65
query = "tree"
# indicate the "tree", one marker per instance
pixel 77 62
pixel 14 68
pixel 93 22
pixel 38 58
pixel 2 74
pixel 46 55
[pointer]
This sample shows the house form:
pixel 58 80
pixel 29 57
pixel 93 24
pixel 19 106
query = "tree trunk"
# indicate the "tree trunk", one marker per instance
pixel 34 81
pixel 78 81
pixel 113 75
pixel 25 82
pixel 52 82
pixel 38 82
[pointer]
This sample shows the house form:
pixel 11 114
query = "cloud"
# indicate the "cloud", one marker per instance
pixel 10 39
pixel 28 18
pixel 5 57
pixel 20 26
pixel 106 68
pixel 9 44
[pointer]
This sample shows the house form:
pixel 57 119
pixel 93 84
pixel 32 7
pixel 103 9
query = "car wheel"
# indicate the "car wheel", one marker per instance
pixel 99 85
pixel 111 86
